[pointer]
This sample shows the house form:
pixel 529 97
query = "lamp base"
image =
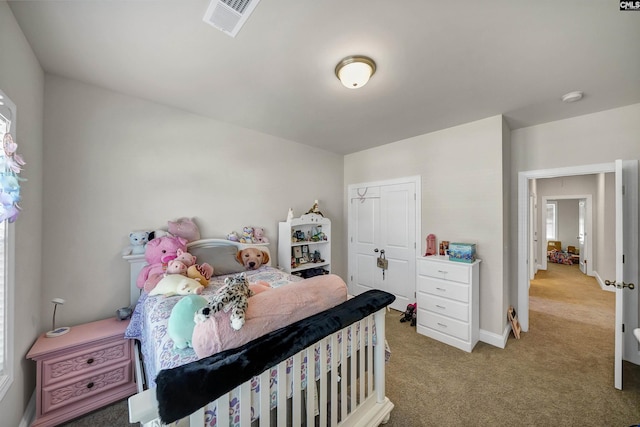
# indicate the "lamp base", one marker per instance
pixel 57 332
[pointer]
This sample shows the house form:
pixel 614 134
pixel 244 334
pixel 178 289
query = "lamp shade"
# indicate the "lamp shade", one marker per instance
pixel 355 71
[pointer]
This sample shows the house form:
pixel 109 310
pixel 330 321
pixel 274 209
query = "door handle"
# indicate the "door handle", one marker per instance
pixel 619 285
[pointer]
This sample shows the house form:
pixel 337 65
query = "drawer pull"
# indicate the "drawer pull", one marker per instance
pixel 89 361
pixel 442 289
pixel 442 324
pixel 440 306
pixel 443 271
pixel 90 385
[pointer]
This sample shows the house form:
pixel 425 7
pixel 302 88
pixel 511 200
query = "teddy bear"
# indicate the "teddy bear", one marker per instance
pixel 232 296
pixel 185 228
pixel 137 243
pixel 258 236
pixel 247 235
pixel 233 237
pixel 158 253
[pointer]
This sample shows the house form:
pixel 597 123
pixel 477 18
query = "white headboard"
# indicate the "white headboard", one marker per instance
pixel 137 262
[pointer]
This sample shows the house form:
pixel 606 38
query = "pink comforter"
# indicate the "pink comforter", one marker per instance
pixel 268 311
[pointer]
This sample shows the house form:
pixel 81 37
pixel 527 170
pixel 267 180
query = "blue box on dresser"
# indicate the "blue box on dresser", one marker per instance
pixel 462 252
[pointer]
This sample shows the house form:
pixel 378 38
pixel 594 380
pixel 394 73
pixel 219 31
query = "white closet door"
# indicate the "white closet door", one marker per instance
pixel 383 217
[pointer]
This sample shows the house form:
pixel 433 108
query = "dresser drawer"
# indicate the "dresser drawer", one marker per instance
pixel 444 306
pixel 86 386
pixel 445 271
pixel 444 289
pixel 445 325
pixel 85 360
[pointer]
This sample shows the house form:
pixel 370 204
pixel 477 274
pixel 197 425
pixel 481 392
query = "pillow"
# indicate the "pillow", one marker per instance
pixel 268 311
pixel 221 258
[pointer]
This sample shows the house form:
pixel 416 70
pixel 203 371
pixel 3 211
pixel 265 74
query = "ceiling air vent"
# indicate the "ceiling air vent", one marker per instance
pixel 229 15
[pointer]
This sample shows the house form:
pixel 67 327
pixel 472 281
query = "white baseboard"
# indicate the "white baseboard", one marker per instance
pixel 29 412
pixel 601 283
pixel 493 339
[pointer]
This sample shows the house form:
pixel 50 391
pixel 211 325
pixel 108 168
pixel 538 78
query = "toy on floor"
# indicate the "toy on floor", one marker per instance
pixel 410 314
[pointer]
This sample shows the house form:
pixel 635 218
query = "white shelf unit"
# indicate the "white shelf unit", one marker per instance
pixel 308 225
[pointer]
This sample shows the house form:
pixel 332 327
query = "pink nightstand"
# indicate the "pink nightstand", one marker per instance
pixel 88 368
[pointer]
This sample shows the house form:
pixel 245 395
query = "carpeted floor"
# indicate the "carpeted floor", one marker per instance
pixel 560 373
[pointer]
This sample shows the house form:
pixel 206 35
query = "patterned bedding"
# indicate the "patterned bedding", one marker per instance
pixel 149 326
pixel 151 315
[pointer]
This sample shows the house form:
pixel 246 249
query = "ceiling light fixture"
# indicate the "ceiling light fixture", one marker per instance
pixel 355 71
pixel 572 96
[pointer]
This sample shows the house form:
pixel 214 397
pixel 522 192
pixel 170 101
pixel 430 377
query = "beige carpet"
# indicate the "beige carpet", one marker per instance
pixel 558 374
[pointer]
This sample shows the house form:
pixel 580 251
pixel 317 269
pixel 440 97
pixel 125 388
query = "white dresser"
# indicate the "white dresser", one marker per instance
pixel 448 301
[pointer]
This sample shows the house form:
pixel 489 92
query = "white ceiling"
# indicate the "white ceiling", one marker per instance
pixel 440 63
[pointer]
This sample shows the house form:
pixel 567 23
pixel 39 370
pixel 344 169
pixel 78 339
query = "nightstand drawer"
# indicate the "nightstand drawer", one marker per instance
pixel 444 325
pixel 444 271
pixel 444 306
pixel 444 289
pixel 86 386
pixel 84 361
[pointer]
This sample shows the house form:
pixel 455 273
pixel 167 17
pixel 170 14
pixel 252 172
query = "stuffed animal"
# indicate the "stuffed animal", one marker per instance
pixel 258 235
pixel 233 237
pixel 137 243
pixel 176 284
pixel 156 234
pixel 200 272
pixel 185 257
pixel 158 254
pixel 232 296
pixel 181 323
pixel 247 235
pixel 185 228
pixel 176 266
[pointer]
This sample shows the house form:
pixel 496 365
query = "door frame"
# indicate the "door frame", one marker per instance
pixel 413 179
pixel 588 229
pixel 632 352
pixel 523 224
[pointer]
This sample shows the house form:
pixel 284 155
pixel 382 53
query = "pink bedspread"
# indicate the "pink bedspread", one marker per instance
pixel 268 311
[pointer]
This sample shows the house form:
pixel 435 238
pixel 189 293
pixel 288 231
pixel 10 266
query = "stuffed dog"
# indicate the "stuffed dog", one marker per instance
pixel 252 258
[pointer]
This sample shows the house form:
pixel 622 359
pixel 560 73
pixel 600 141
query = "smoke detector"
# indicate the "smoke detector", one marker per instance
pixel 572 96
pixel 229 15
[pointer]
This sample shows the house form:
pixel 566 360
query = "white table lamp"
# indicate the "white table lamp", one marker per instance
pixel 59 331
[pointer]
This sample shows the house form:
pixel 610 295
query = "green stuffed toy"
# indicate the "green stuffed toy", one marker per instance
pixel 181 321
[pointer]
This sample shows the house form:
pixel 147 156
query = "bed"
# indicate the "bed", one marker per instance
pixel 326 368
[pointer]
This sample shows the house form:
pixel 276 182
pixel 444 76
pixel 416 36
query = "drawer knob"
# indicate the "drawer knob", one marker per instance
pixel 440 306
pixel 89 361
pixel 90 385
pixel 442 289
pixel 442 324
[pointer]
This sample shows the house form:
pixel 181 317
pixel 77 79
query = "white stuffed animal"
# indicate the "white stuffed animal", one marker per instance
pixel 233 296
pixel 138 242
pixel 177 284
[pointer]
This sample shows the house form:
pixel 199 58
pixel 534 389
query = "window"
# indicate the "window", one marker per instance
pixel 552 221
pixel 7 115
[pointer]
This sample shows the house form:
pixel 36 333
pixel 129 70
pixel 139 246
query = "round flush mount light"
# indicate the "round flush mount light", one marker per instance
pixel 355 71
pixel 572 96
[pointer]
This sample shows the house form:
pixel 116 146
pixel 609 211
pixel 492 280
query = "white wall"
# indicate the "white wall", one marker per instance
pixel 115 163
pixel 22 79
pixel 462 195
pixel 590 139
